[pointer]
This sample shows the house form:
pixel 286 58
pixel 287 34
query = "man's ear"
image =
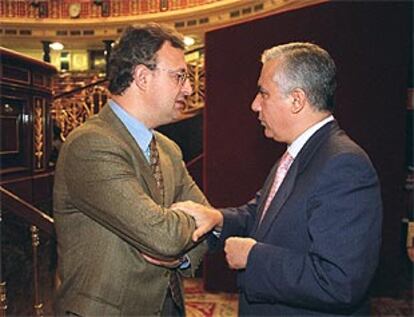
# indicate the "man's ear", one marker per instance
pixel 141 76
pixel 298 98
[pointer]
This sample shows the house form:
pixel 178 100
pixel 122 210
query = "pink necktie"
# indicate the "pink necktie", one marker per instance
pixel 281 172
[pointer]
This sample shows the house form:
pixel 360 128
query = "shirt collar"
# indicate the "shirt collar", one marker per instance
pixel 141 134
pixel 300 141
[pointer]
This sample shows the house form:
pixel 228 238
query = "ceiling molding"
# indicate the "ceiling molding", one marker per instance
pixel 88 33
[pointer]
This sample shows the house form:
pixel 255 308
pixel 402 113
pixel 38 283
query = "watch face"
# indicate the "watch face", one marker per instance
pixel 74 10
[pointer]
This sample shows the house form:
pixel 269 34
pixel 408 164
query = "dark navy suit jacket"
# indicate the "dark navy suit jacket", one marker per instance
pixel 318 244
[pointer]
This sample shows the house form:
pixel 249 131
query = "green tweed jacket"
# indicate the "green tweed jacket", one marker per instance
pixel 107 208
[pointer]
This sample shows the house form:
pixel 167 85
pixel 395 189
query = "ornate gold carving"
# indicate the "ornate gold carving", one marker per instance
pixel 39 132
pixel 197 77
pixel 3 299
pixel 71 111
pixel 35 236
pixel 39 310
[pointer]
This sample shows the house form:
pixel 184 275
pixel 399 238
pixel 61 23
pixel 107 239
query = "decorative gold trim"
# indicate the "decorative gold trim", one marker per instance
pixel 71 111
pixel 39 132
pixel 197 77
pixel 35 236
pixel 3 299
pixel 38 306
pixel 192 20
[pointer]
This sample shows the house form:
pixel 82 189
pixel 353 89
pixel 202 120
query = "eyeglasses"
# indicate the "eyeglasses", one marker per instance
pixel 180 75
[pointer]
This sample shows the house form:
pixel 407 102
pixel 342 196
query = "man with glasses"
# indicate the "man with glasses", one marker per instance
pixel 116 178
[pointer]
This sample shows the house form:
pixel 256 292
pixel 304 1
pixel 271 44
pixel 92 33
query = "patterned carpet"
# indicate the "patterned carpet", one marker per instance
pixel 386 306
pixel 202 304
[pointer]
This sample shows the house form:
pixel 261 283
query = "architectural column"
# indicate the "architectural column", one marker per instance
pixel 46 51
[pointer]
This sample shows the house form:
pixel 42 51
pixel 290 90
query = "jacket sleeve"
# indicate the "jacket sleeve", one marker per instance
pixel 239 221
pixel 344 215
pixel 103 182
pixel 187 189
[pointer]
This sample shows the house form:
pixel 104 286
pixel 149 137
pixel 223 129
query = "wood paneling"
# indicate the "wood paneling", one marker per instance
pixel 26 94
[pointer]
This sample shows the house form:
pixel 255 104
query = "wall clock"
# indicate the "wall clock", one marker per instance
pixel 74 10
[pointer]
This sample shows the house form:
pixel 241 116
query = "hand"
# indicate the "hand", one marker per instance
pixel 237 250
pixel 171 264
pixel 206 218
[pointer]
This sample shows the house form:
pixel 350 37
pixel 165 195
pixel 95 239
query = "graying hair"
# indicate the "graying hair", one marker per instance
pixel 306 66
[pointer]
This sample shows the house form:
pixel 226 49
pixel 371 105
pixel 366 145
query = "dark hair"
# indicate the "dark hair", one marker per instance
pixel 306 66
pixel 137 45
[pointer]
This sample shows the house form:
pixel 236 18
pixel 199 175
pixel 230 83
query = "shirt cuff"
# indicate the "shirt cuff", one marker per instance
pixel 217 233
pixel 185 262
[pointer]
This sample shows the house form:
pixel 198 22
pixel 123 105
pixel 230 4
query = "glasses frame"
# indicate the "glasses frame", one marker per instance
pixel 181 75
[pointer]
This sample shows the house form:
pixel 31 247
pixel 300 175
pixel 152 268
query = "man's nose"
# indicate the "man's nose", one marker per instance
pixel 187 89
pixel 255 106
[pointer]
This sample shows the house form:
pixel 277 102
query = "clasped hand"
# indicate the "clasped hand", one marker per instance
pixel 206 218
pixel 237 249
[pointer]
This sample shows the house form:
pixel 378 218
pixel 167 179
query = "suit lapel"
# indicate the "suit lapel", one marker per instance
pixel 287 186
pixel 145 173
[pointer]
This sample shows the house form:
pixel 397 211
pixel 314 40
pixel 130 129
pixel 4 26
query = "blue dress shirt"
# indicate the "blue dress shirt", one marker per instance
pixel 141 134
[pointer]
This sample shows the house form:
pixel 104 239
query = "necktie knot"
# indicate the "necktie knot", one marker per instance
pixel 285 162
pixel 156 166
pixel 153 151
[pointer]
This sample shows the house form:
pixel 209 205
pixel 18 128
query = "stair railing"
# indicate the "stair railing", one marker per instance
pixel 37 220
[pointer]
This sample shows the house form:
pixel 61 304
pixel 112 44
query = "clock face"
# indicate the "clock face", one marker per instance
pixel 74 10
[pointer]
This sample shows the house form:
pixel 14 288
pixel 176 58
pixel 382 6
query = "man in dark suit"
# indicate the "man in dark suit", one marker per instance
pixel 116 178
pixel 308 243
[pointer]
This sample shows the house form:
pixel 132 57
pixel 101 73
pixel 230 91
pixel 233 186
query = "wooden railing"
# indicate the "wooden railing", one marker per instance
pixel 70 109
pixel 37 220
pixel 27 212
